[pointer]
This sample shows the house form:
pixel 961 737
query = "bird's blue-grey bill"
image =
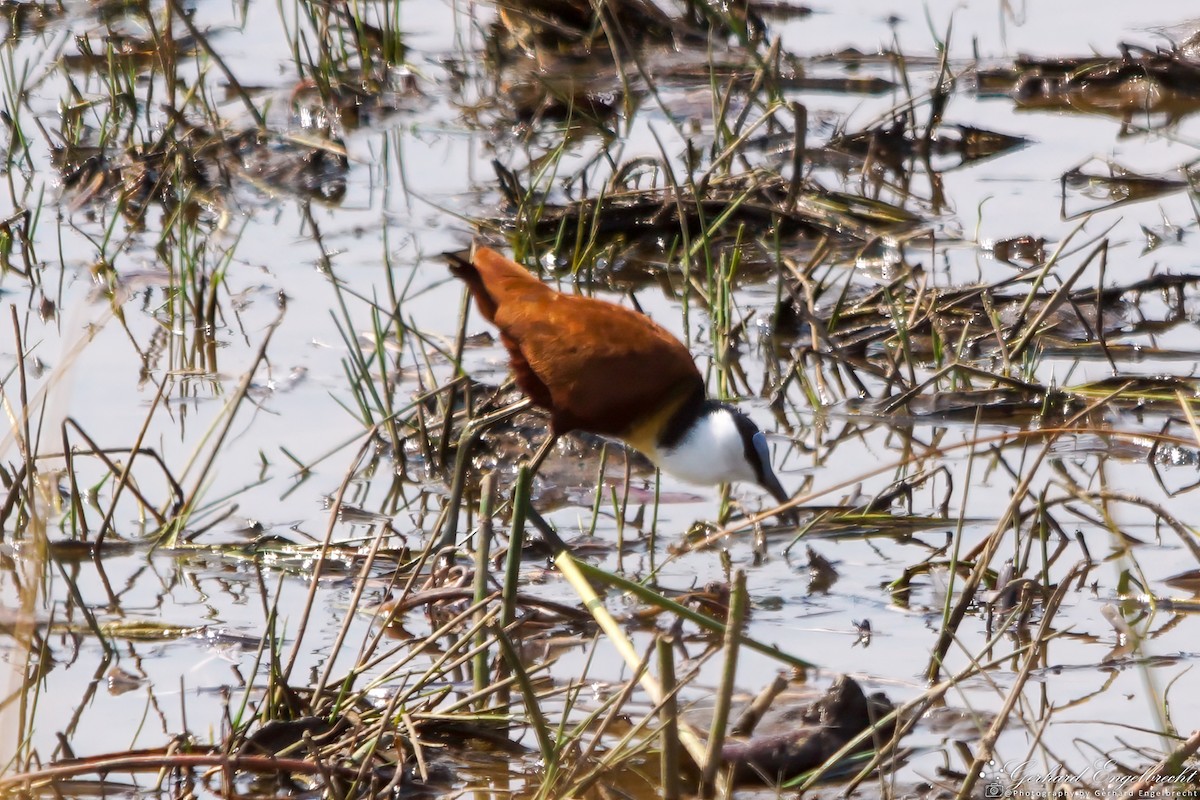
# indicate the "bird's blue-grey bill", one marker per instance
pixel 769 481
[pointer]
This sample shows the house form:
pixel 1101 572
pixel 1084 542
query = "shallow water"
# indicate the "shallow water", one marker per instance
pixel 416 176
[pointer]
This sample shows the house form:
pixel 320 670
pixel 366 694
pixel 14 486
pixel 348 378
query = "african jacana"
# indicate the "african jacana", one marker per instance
pixel 599 367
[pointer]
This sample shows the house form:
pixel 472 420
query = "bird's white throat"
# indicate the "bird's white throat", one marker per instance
pixel 711 451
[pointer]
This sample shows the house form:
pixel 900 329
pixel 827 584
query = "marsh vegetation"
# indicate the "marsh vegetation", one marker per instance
pixel 943 256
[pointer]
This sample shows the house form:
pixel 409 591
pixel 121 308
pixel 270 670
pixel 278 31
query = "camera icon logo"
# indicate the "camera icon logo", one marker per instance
pixel 994 786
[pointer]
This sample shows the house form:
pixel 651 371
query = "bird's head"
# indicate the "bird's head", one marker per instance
pixel 757 455
pixel 721 445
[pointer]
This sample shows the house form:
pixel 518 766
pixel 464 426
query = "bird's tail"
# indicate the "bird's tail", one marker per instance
pixel 464 270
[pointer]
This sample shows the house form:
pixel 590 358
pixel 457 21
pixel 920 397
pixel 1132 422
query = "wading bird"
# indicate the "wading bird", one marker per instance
pixel 599 367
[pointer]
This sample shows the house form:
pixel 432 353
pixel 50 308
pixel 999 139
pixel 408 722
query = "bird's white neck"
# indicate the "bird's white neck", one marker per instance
pixel 711 450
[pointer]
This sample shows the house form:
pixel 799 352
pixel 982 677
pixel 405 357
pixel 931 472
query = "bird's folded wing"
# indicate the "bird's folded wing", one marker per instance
pixel 604 366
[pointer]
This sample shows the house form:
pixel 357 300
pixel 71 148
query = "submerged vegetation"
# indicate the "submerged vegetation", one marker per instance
pixel 262 531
